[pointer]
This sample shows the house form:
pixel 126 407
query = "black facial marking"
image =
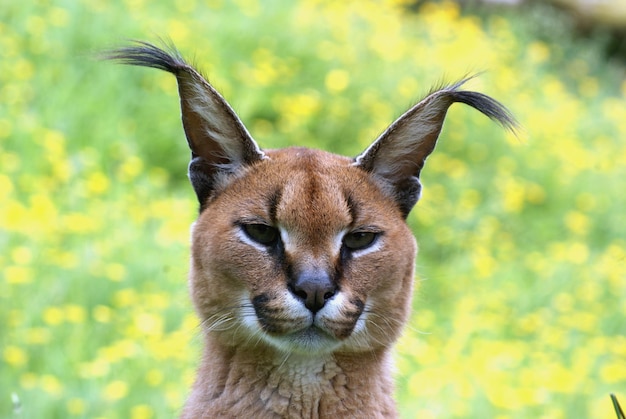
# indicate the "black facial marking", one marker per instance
pixel 353 206
pixel 268 316
pixel 359 304
pixel 260 300
pixel 272 205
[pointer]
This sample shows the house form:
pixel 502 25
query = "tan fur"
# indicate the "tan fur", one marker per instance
pixel 348 374
pixel 301 263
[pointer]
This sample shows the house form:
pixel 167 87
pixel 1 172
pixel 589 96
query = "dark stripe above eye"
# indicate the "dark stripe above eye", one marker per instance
pixel 272 204
pixel 353 206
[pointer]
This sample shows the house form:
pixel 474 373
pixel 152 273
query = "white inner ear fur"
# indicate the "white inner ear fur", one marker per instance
pixel 404 136
pixel 221 121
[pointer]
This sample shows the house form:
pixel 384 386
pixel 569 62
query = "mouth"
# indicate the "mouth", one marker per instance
pixel 310 340
pixel 287 325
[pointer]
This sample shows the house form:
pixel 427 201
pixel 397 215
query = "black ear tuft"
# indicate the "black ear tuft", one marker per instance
pixel 220 143
pixel 398 155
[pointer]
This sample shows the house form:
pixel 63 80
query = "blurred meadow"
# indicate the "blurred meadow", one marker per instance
pixel 521 305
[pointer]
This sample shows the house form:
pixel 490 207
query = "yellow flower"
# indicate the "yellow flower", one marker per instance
pixel 53 316
pixel 141 411
pixel 15 356
pixel 22 255
pixel 76 406
pixel 54 143
pixel 178 30
pixel 538 52
pixel 97 183
pixel 125 297
pixel 131 167
pixel 23 69
pixel 74 313
pixel 578 253
pixel 154 377
pixel 115 272
pixel 115 390
pixel 614 371
pixel 102 314
pixel 51 385
pixel 119 350
pixel 96 369
pixel 483 262
pixel 513 194
pixel 337 80
pixel 43 213
pixel 76 222
pixel 18 275
pixel 300 105
pixel 577 222
pixel 149 324
pixel 250 8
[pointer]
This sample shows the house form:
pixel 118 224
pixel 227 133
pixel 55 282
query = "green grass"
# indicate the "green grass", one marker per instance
pixel 519 310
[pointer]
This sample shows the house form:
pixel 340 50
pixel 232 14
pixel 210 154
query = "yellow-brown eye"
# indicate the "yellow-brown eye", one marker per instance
pixel 262 233
pixel 358 240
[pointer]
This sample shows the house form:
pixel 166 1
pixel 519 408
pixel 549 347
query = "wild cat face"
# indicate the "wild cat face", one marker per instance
pixel 304 252
pixel 299 249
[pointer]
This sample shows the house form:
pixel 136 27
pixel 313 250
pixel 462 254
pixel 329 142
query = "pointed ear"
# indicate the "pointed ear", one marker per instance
pixel 219 142
pixel 398 155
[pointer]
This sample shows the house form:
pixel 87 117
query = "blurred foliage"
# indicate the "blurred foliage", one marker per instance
pixel 522 266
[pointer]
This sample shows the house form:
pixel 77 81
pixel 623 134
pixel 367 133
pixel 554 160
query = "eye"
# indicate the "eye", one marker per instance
pixel 262 233
pixel 358 240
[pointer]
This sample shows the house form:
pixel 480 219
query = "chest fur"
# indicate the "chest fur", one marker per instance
pixel 296 388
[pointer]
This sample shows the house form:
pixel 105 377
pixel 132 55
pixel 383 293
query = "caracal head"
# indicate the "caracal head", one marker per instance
pixel 305 252
pixel 300 250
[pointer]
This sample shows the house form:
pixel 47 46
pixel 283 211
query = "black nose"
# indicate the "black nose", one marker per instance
pixel 314 289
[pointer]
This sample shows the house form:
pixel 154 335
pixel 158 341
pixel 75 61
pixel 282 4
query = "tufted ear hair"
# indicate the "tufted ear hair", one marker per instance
pixel 398 155
pixel 220 144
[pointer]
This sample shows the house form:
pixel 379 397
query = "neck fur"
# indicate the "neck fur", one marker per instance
pixel 262 383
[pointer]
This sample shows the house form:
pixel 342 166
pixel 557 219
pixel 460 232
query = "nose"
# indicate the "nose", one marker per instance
pixel 313 288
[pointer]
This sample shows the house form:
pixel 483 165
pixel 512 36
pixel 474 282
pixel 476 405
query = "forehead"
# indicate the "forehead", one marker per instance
pixel 312 191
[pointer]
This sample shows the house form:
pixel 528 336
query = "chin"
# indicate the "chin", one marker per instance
pixel 309 341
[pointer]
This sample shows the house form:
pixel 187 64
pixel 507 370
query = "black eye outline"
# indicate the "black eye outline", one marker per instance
pixel 360 239
pixel 262 233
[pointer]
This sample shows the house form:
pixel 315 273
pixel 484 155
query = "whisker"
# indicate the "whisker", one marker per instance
pixel 395 322
pixel 287 356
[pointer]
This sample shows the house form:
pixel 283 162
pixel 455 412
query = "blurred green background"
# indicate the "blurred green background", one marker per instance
pixel 520 309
